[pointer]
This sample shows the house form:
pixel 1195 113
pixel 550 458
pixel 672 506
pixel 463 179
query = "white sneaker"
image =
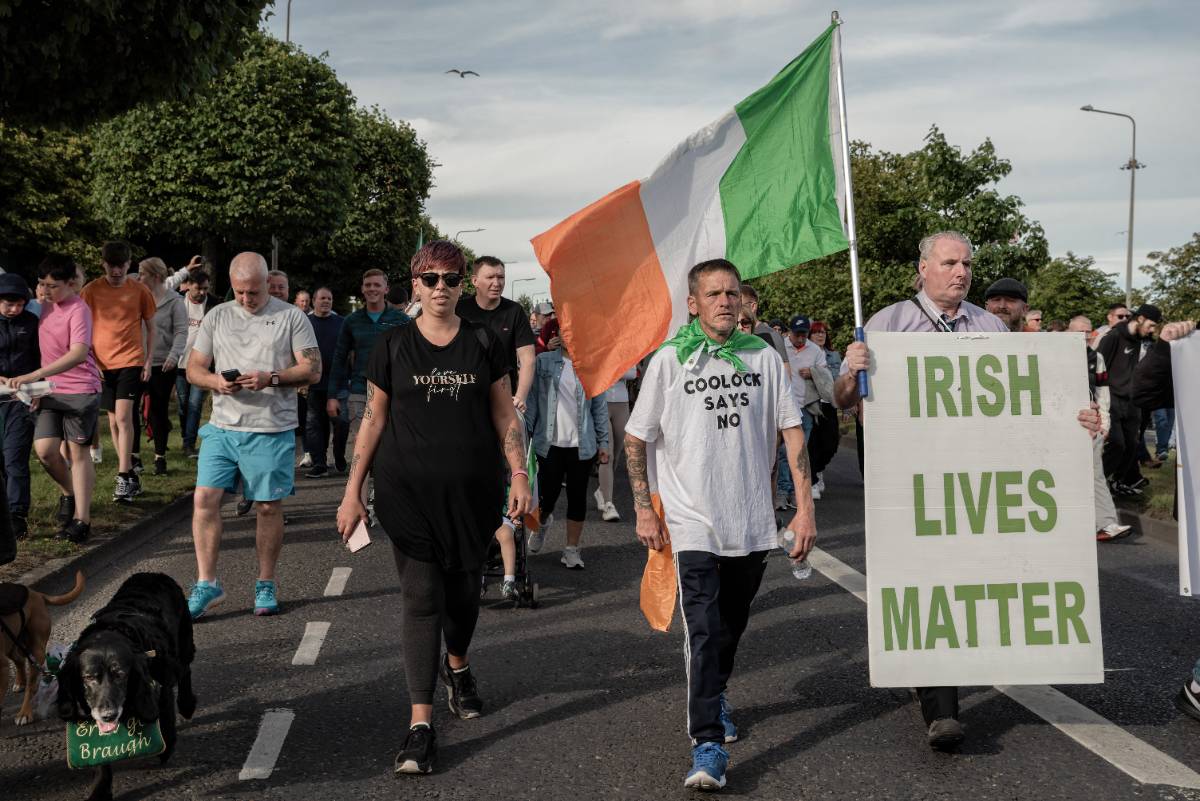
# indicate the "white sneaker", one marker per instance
pixel 821 482
pixel 537 539
pixel 609 513
pixel 816 491
pixel 97 455
pixel 571 559
pixel 305 460
pixel 599 496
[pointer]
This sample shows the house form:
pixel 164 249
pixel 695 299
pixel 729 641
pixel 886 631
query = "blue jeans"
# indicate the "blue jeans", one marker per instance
pixel 191 404
pixel 784 481
pixel 1164 425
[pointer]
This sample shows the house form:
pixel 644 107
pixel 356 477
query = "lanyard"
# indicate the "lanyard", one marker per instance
pixel 938 323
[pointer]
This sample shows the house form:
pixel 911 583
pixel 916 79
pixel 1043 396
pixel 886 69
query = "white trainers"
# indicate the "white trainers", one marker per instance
pixel 821 482
pixel 305 460
pixel 816 491
pixel 599 496
pixel 609 513
pixel 571 559
pixel 97 455
pixel 536 539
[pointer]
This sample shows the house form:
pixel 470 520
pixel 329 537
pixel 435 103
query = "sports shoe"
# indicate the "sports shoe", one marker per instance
pixel 1141 482
pixel 945 734
pixel 536 539
pixel 205 595
pixel 76 531
pixel 97 455
pixel 320 471
pixel 571 558
pixel 816 492
pixel 123 491
pixel 599 496
pixel 66 509
pixel 709 761
pixel 419 750
pixel 731 730
pixel 160 465
pixel 137 463
pixel 135 485
pixel 460 686
pixel 265 602
pixel 339 464
pixel 508 590
pixel 821 483
pixel 1187 701
pixel 20 527
pixel 1113 532
pixel 189 452
pixel 305 460
pixel 243 506
pixel 1124 490
pixel 609 513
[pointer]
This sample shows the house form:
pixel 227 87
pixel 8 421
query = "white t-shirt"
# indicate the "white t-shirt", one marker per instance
pixel 810 356
pixel 711 434
pixel 195 314
pixel 268 340
pixel 566 413
pixel 619 392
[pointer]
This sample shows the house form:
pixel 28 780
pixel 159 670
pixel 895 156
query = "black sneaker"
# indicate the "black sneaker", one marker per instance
pixel 66 509
pixel 945 734
pixel 460 685
pixel 135 485
pixel 20 527
pixel 243 507
pixel 123 491
pixel 160 466
pixel 339 465
pixel 318 471
pixel 76 531
pixel 1139 483
pixel 1188 702
pixel 137 463
pixel 418 752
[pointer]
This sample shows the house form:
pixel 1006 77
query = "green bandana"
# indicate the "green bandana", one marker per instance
pixel 691 338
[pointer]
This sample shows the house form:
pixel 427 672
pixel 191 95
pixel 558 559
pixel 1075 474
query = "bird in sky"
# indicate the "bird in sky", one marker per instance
pixel 463 73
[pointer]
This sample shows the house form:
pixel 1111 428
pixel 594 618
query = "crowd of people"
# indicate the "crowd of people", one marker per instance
pixel 488 386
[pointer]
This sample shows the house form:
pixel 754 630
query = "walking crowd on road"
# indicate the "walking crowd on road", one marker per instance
pixel 457 419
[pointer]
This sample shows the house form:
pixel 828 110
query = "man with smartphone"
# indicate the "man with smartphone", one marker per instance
pixel 264 349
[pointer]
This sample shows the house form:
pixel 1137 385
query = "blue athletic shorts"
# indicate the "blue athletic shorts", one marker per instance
pixel 265 462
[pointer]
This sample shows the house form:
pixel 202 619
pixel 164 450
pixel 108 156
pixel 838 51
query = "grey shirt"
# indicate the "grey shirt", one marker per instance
pixel 267 340
pixel 170 329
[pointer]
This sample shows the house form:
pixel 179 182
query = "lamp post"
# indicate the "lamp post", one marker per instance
pixel 1133 166
pixel 513 285
pixel 287 25
pixel 467 231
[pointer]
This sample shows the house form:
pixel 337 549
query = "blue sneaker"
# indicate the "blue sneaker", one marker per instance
pixel 709 761
pixel 265 602
pixel 731 731
pixel 205 595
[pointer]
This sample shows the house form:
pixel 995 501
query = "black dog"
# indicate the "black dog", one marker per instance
pixel 143 634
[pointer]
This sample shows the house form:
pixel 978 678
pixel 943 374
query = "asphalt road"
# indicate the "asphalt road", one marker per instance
pixel 584 701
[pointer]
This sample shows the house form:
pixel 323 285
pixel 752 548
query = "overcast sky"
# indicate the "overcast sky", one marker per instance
pixel 577 98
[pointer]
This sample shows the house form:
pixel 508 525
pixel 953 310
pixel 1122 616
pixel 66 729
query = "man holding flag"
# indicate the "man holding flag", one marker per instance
pixel 712 403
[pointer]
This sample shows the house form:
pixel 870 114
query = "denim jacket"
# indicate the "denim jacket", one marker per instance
pixel 541 410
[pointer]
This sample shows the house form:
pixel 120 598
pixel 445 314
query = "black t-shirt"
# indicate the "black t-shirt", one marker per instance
pixel 508 322
pixel 439 471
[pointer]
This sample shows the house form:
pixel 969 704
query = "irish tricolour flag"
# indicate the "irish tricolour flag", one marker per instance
pixel 762 186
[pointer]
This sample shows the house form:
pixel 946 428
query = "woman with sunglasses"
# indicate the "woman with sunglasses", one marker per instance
pixel 441 436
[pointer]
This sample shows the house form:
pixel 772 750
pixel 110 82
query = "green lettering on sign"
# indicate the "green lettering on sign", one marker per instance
pixel 987 367
pixel 969 595
pixel 914 391
pixel 1006 500
pixel 1035 612
pixel 939 376
pixel 1069 612
pixel 941 622
pixel 924 527
pixel 976 505
pixel 1029 383
pixel 906 622
pixel 1039 482
pixel 1003 594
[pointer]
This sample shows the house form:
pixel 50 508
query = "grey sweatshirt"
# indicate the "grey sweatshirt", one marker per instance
pixel 170 329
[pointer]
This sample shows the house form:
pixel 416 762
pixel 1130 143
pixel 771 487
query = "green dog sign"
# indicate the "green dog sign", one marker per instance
pixel 133 739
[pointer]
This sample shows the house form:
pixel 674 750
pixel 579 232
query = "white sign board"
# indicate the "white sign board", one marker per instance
pixel 980 517
pixel 1185 373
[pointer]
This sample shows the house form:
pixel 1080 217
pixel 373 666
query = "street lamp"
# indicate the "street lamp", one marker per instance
pixel 1133 166
pixel 519 280
pixel 287 25
pixel 467 231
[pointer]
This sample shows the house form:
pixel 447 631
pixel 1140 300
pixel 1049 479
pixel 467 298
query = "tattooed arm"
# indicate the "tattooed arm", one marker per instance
pixel 306 371
pixel 804 524
pixel 650 530
pixel 511 434
pixel 375 418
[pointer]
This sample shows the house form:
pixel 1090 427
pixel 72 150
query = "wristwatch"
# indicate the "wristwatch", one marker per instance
pixel 274 379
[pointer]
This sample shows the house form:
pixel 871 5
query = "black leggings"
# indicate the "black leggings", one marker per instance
pixel 160 387
pixel 436 603
pixel 551 469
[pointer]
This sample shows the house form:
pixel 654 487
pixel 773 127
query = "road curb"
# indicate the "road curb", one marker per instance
pixel 1164 531
pixel 59 573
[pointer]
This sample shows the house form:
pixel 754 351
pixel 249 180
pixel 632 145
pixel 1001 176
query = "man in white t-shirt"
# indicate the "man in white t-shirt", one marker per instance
pixel 702 437
pixel 271 347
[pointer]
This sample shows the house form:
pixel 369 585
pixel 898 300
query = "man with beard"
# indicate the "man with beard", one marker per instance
pixel 1008 299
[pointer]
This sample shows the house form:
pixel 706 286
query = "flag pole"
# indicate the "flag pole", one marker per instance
pixel 851 233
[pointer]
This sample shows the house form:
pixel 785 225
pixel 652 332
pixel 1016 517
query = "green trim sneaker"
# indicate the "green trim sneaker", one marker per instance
pixel 265 602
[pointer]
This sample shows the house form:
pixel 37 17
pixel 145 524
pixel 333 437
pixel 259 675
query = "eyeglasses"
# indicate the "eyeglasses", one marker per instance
pixel 451 280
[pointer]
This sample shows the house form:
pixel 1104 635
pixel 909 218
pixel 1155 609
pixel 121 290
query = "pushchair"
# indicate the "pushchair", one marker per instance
pixel 493 568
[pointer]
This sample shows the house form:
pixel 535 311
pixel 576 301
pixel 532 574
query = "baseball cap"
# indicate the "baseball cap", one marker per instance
pixel 800 324
pixel 544 308
pixel 1147 310
pixel 1007 288
pixel 13 285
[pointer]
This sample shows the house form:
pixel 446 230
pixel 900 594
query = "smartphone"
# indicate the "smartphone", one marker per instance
pixel 360 538
pixel 231 375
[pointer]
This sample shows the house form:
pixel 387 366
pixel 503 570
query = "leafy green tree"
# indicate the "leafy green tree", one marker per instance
pixel 265 150
pixel 900 198
pixel 75 61
pixel 1072 285
pixel 43 198
pixel 1175 280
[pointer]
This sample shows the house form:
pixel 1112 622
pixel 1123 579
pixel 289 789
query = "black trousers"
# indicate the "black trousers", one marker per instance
pixel 316 438
pixel 938 703
pixel 160 387
pixel 437 604
pixel 561 462
pixel 715 593
pixel 823 439
pixel 17 423
pixel 1121 450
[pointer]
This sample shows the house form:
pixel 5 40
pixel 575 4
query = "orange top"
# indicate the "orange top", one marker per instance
pixel 117 315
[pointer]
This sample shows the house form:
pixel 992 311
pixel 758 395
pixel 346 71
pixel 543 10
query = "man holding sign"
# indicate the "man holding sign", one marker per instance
pixel 941 306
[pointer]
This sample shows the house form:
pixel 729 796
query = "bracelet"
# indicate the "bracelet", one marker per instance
pixel 516 473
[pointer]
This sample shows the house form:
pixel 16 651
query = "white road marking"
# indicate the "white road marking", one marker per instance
pixel 267 745
pixel 337 581
pixel 310 644
pixel 1099 735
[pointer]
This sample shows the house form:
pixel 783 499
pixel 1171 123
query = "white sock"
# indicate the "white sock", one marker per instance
pixel 509 578
pixel 1194 687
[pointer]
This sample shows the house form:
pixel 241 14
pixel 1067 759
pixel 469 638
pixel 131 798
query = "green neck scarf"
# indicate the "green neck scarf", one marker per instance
pixel 690 339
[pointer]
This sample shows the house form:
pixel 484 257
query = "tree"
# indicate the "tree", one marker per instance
pixel 265 150
pixel 900 198
pixel 1175 280
pixel 77 61
pixel 1072 285
pixel 43 198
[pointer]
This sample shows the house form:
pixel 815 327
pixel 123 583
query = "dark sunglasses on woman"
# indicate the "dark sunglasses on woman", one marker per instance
pixel 430 279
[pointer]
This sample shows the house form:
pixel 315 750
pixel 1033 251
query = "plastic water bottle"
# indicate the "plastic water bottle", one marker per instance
pixel 801 569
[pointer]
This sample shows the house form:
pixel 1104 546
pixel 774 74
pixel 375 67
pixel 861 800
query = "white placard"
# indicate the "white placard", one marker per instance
pixel 1185 372
pixel 980 515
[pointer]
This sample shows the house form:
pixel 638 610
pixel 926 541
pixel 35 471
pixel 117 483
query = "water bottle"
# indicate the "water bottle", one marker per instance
pixel 801 569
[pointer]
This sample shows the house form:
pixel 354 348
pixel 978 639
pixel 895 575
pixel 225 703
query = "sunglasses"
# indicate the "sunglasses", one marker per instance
pixel 430 279
pixel 1122 316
